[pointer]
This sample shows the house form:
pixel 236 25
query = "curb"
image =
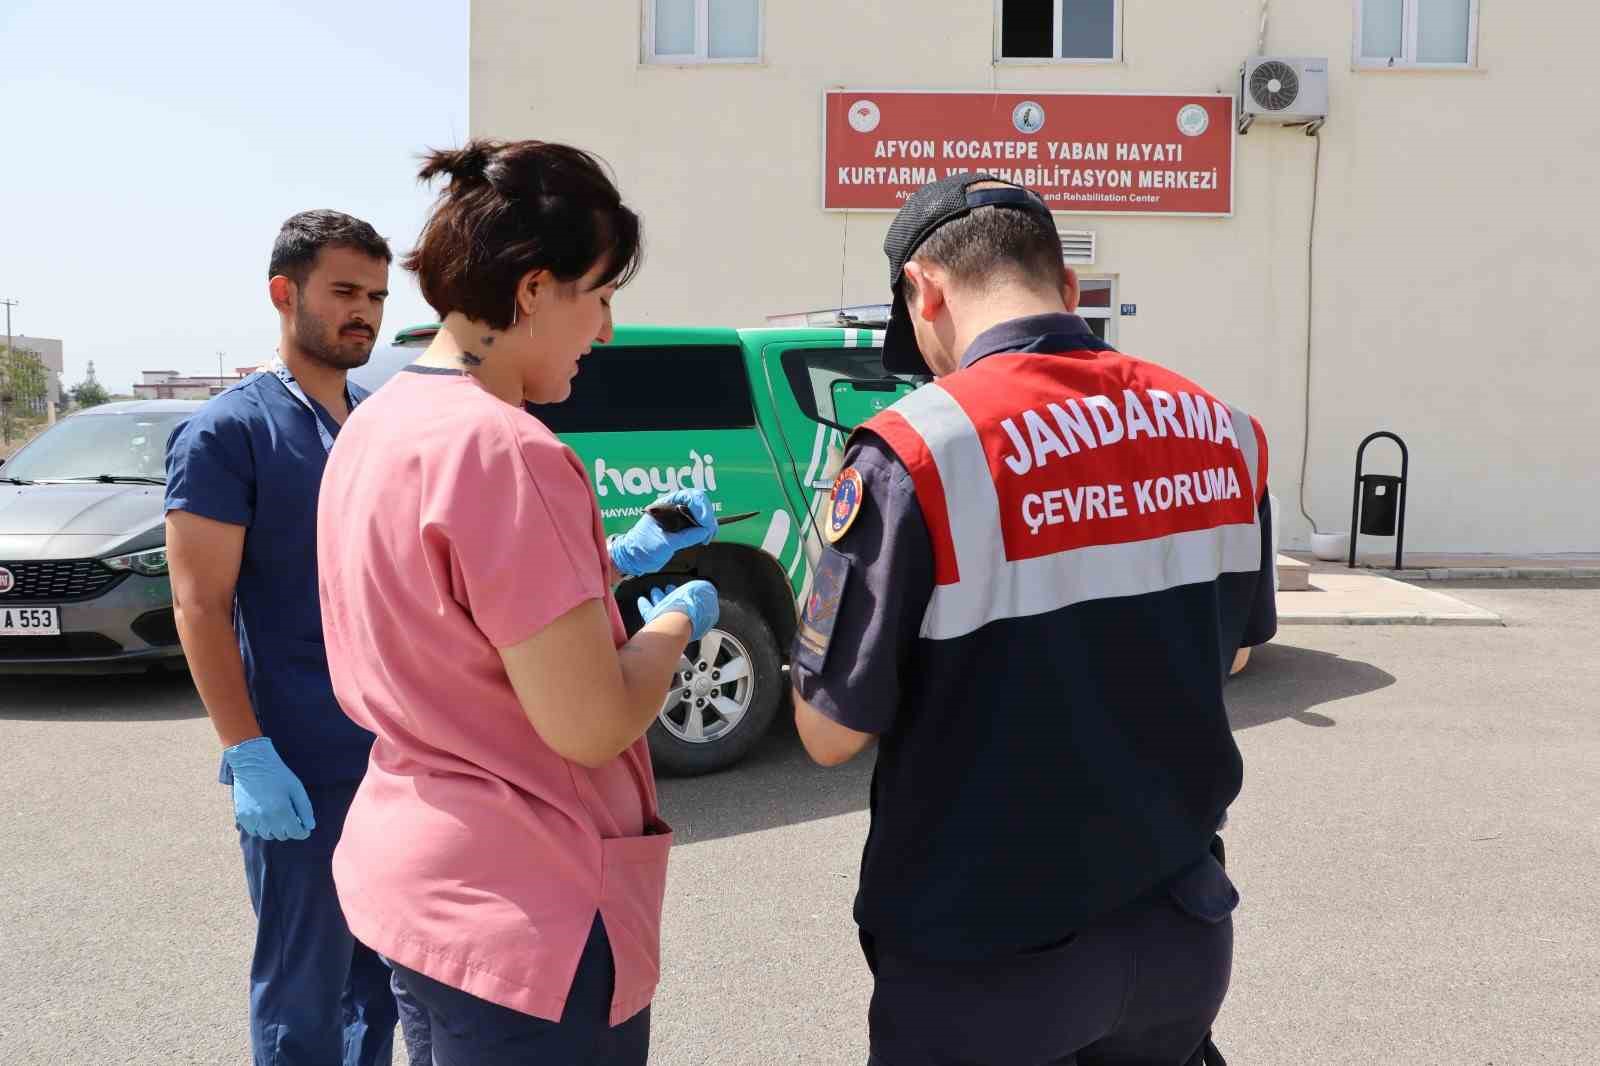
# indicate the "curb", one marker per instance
pixel 1365 598
pixel 1381 619
pixel 1491 573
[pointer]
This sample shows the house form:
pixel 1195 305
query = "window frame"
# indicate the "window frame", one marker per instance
pixel 702 39
pixel 1408 41
pixel 1117 13
pixel 1112 314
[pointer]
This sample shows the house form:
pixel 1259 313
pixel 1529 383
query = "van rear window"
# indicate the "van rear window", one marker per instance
pixel 626 390
pixel 812 373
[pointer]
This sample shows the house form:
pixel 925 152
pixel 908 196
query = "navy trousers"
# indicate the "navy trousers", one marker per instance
pixel 414 1025
pixel 1140 988
pixel 317 996
pixel 468 1031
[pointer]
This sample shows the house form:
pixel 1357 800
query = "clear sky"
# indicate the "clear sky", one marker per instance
pixel 153 149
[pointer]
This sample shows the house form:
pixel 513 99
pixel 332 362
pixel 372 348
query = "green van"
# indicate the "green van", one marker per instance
pixel 756 417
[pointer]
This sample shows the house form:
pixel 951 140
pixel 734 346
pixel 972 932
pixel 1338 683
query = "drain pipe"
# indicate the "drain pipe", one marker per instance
pixel 1311 264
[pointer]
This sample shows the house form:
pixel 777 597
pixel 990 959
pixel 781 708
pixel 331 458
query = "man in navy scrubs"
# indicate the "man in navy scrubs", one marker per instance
pixel 242 483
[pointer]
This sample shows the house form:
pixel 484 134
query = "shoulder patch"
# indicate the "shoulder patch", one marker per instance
pixel 821 610
pixel 844 504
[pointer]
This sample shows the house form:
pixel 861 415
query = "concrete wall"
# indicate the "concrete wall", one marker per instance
pixel 1458 241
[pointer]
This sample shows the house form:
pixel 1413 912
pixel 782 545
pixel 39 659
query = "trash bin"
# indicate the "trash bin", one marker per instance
pixel 1380 509
pixel 1378 501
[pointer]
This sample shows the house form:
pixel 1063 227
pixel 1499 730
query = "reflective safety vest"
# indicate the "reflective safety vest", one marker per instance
pixel 1062 745
pixel 1075 476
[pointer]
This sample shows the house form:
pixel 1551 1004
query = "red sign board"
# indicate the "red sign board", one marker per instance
pixel 1092 153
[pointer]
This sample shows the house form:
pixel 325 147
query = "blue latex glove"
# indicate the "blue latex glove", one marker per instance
pixel 647 548
pixel 698 600
pixel 268 799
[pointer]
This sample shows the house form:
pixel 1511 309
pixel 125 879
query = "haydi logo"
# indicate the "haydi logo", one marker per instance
pixel 646 481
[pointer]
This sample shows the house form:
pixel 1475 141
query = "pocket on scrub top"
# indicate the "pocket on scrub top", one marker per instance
pixel 633 887
pixel 291 677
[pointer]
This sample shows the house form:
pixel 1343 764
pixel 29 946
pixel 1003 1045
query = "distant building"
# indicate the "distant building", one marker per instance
pixel 171 385
pixel 49 352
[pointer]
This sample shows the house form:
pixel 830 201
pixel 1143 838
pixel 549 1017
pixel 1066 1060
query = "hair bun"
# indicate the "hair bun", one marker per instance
pixel 468 164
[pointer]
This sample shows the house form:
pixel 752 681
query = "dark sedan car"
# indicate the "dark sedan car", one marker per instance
pixel 83 560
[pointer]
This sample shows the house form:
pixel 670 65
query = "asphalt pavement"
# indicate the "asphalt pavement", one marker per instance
pixel 1416 845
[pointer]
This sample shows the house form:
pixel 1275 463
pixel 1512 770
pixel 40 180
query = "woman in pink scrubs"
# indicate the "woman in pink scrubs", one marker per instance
pixel 504 850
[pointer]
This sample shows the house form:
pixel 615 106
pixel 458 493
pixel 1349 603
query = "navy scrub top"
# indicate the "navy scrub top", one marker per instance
pixel 252 457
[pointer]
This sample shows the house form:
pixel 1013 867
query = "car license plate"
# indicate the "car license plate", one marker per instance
pixel 30 622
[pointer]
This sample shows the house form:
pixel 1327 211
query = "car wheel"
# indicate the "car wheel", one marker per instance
pixel 724 696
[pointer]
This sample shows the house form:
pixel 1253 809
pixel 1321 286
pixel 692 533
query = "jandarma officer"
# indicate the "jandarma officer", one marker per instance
pixel 1041 567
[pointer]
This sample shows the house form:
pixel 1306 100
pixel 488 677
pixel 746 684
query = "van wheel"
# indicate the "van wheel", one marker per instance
pixel 723 698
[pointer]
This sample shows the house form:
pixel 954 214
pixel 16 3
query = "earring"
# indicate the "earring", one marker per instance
pixel 516 310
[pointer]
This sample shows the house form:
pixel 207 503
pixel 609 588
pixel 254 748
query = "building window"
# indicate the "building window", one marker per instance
pixel 702 31
pixel 1082 30
pixel 1416 33
pixel 1096 307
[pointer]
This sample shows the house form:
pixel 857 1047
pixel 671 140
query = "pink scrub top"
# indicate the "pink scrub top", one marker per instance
pixel 451 525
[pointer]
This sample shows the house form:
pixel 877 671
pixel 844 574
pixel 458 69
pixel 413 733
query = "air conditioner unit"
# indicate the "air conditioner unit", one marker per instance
pixel 1283 92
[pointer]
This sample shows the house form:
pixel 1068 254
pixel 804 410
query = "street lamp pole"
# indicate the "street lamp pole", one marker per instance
pixel 9 305
pixel 5 420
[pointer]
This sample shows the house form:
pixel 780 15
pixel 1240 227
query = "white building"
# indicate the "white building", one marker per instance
pixel 1457 241
pixel 171 385
pixel 49 351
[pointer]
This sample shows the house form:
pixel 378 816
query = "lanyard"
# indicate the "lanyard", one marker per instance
pixel 283 375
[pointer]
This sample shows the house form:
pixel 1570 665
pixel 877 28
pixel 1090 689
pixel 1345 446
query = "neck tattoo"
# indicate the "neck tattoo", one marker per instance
pixel 473 358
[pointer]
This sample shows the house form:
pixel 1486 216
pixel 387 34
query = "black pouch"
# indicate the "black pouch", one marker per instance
pixel 1203 891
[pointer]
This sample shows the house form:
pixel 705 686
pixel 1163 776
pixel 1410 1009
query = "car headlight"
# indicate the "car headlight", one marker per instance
pixel 152 563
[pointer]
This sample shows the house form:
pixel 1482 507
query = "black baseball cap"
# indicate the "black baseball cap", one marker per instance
pixel 929 208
